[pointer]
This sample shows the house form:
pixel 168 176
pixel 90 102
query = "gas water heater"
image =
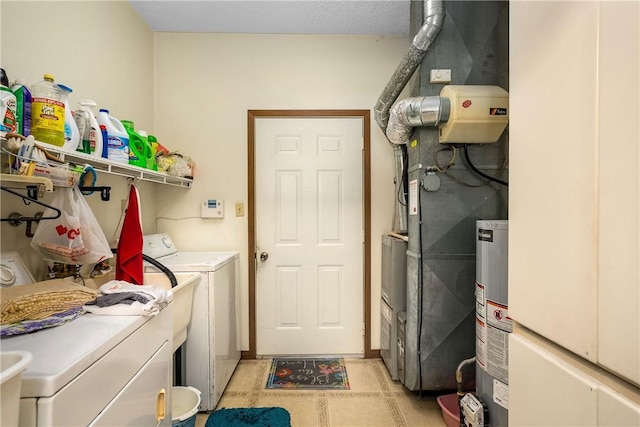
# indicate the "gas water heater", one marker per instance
pixel 493 324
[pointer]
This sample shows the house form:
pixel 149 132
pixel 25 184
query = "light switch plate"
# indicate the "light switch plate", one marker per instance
pixel 239 209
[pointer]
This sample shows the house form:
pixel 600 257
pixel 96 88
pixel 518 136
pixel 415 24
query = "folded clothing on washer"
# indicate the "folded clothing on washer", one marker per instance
pixel 121 298
pixel 37 301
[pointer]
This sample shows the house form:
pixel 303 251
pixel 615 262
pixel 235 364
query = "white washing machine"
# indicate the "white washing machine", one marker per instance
pixel 12 270
pixel 212 350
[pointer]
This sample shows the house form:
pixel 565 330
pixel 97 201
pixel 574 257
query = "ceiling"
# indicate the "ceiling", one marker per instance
pixel 381 17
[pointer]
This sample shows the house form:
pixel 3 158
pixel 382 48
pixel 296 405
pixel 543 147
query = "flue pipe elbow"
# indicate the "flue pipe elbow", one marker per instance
pixel 413 112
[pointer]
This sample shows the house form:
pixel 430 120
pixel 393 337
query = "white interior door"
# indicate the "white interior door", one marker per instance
pixel 309 231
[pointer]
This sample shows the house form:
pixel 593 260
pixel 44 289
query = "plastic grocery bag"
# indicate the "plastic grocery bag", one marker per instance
pixel 73 238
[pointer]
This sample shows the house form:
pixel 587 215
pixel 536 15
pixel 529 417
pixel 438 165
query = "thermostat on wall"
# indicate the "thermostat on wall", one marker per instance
pixel 212 208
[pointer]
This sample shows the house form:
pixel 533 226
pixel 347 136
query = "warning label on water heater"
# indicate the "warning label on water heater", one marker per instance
pixel 498 316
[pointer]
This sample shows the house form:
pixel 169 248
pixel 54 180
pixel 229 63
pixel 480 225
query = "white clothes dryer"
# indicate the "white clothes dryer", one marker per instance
pixel 212 349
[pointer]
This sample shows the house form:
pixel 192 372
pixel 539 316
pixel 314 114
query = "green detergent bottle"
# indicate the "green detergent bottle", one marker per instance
pixel 151 158
pixel 138 145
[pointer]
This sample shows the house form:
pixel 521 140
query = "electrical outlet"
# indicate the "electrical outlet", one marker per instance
pixel 239 209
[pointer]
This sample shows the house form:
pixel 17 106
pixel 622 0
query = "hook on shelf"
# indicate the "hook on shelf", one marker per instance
pixel 105 192
pixel 32 191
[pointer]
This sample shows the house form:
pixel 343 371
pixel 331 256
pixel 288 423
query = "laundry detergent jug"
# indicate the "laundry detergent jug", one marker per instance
pixel 138 145
pixel 117 137
pixel 151 158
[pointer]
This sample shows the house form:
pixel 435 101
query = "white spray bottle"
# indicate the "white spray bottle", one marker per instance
pixel 95 136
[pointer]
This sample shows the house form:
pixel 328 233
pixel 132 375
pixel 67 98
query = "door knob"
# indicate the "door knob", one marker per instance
pixel 264 256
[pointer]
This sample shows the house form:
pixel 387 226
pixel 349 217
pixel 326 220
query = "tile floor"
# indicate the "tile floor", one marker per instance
pixel 373 400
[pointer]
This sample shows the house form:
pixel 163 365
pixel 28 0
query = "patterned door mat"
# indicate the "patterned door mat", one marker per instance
pixel 308 373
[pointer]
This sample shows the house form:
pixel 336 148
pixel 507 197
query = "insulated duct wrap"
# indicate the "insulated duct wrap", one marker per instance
pixel 399 80
pixel 418 111
pixel 433 21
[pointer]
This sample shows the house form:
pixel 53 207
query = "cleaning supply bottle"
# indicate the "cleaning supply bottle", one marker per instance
pixel 153 149
pixel 147 147
pixel 8 111
pixel 137 145
pixel 117 137
pixel 84 132
pixel 92 141
pixel 47 111
pixel 71 131
pixel 23 109
pixel 105 141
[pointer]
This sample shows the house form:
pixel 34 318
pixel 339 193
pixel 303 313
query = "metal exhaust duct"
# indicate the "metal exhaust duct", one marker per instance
pixel 433 20
pixel 432 24
pixel 412 112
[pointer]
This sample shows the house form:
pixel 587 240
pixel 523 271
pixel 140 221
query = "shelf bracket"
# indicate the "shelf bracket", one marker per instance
pixel 32 191
pixel 105 192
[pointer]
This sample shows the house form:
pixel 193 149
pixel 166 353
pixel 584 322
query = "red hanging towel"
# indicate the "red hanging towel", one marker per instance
pixel 129 256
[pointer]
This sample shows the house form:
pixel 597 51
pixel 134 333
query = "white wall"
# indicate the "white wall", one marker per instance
pixel 104 52
pixel 205 83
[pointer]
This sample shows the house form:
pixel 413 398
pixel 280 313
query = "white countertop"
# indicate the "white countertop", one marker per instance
pixel 63 352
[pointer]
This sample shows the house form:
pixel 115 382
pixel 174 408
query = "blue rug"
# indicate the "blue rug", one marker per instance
pixel 316 374
pixel 248 417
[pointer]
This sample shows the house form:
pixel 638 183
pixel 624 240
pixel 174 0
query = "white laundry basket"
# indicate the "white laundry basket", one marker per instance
pixel 184 406
pixel 12 363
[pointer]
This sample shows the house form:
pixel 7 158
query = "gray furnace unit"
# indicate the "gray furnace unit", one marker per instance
pixel 394 288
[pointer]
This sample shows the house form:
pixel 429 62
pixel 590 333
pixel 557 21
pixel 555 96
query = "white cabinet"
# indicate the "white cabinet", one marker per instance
pixel 135 404
pixel 543 391
pixel 552 171
pixel 619 190
pixel 574 238
pixel 574 213
pixel 552 387
pixel 98 370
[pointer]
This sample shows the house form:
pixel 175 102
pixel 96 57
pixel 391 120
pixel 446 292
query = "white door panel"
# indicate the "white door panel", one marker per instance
pixel 309 225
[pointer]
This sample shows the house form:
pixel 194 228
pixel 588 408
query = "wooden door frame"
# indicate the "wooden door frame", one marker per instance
pixel 366 200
